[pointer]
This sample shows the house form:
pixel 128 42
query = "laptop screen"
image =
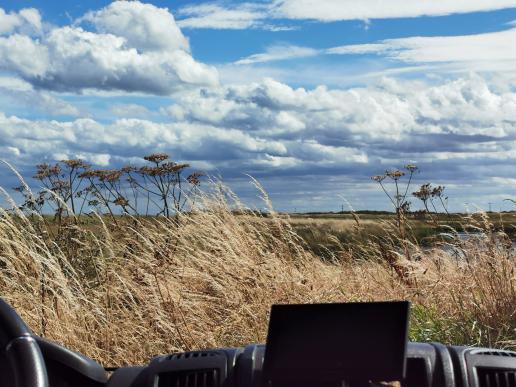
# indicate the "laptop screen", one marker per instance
pixel 329 342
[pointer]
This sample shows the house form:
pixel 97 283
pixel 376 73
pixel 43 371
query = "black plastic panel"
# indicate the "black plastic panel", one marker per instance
pixel 321 342
pixel 484 367
pixel 66 366
pixel 424 368
pixel 428 365
pixel 213 368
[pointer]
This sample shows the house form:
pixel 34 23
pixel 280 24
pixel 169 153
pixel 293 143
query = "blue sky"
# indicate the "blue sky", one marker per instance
pixel 310 97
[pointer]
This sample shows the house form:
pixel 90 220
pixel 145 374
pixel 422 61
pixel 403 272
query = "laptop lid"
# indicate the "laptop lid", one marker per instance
pixel 329 342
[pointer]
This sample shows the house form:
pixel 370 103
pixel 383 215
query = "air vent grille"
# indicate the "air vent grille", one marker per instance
pixel 194 378
pixel 190 355
pixel 496 353
pixel 496 377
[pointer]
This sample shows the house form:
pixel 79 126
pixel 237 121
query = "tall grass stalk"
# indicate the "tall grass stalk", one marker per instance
pixel 122 293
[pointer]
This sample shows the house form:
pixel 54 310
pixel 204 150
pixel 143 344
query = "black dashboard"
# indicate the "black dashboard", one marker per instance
pixel 428 365
pixel 306 347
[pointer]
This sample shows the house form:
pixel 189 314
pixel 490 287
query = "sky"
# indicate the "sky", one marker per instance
pixel 311 98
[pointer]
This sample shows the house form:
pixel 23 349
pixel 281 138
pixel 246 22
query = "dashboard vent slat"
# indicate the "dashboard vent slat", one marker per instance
pixel 188 355
pixel 496 377
pixel 496 353
pixel 200 378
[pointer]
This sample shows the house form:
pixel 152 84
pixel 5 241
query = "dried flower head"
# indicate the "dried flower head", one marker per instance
pixel 75 164
pixel 88 174
pixel 411 168
pixel 60 186
pixel 194 178
pixel 424 193
pixel 121 201
pixel 109 175
pixel 100 173
pixel 394 174
pixel 156 157
pixel 127 169
pixel 438 191
pixel 378 178
pixel 112 175
pixel 45 170
pixel 173 167
pixel 150 171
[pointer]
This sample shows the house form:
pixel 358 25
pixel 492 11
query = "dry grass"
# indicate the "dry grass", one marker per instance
pixel 338 225
pixel 208 278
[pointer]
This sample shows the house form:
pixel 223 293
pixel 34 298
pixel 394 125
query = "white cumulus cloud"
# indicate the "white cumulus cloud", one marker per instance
pixel 144 26
pixel 135 47
pixel 27 20
pixel 461 130
pixel 21 95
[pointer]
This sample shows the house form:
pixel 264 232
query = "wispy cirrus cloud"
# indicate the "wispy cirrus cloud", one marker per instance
pixel 218 16
pixel 485 52
pixel 334 10
pixel 230 16
pixel 132 110
pixel 273 14
pixel 279 52
pixel 492 47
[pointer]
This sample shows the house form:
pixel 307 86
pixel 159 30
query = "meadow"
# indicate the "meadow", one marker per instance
pixel 124 288
pixel 125 292
pixel 327 233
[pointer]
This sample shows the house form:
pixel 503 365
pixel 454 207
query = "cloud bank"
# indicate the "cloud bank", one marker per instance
pixel 270 128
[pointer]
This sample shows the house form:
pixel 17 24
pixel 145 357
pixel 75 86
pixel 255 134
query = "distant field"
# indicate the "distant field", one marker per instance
pixel 507 219
pixel 325 233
